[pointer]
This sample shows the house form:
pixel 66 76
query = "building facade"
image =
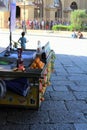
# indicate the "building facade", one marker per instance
pixel 43 9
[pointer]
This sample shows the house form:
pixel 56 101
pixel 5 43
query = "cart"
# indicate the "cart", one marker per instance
pixel 38 79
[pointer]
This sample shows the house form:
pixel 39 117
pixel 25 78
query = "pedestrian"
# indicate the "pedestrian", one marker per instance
pixel 22 40
pixel 74 35
pixel 79 34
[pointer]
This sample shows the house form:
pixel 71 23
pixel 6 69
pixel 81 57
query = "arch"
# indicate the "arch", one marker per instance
pixel 58 5
pixel 73 5
pixel 17 12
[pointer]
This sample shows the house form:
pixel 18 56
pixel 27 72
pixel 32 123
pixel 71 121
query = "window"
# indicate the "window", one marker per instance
pixel 73 6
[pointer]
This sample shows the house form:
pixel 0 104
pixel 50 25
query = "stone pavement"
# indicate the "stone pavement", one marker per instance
pixel 65 105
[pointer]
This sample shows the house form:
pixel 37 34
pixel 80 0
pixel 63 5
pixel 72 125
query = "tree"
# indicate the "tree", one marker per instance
pixel 77 19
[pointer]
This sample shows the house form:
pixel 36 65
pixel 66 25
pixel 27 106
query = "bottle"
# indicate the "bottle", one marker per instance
pixel 43 55
pixel 39 48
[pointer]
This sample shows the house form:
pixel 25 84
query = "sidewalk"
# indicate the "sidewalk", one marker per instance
pixel 65 105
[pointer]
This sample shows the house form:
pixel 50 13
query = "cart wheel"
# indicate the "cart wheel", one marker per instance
pixel 2 88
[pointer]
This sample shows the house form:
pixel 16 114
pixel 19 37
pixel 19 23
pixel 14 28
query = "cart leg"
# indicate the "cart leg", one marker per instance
pixel 2 88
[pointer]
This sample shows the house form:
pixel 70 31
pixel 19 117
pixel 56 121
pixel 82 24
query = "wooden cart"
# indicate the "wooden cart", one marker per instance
pixel 38 81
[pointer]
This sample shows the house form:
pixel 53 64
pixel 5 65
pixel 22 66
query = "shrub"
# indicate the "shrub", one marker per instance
pixel 77 19
pixel 60 27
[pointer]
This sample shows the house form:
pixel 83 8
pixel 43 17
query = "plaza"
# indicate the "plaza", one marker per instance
pixel 65 105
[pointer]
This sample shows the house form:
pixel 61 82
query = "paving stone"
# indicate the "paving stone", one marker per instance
pixel 52 127
pixel 84 68
pixel 62 96
pixel 57 64
pixel 80 62
pixel 85 113
pixel 82 126
pixel 76 106
pixel 78 77
pixel 81 95
pixel 61 72
pixel 66 117
pixel 53 74
pixel 49 88
pixel 47 96
pixel 81 83
pixel 63 83
pixel 61 77
pixel 84 59
pixel 78 88
pixel 65 60
pixel 60 69
pixel 3 117
pixel 74 70
pixel 27 117
pixel 14 127
pixel 60 88
pixel 53 105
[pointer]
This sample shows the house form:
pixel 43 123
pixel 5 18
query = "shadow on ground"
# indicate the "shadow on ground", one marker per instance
pixel 65 105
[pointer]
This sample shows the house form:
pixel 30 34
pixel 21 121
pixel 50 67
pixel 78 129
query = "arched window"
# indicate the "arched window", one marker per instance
pixel 17 12
pixel 38 11
pixel 73 6
pixel 56 3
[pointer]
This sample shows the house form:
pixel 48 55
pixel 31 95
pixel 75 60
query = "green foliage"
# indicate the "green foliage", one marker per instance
pixel 60 27
pixel 77 19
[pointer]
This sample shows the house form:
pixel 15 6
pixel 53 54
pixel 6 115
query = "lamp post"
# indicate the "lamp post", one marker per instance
pixel 24 24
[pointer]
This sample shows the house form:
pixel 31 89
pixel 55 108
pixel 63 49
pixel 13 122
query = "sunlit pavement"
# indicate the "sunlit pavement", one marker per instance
pixel 65 105
pixel 60 42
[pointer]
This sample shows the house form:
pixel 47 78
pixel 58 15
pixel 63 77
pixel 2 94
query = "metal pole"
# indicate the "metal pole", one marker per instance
pixel 42 8
pixel 24 27
pixel 57 14
pixel 10 32
pixel 24 11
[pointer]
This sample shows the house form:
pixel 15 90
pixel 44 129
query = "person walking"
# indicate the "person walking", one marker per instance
pixel 22 40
